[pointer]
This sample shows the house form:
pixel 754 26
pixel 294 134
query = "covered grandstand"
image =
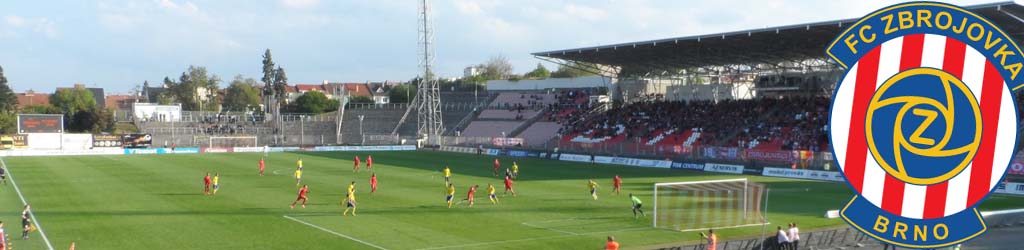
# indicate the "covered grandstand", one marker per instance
pixel 757 97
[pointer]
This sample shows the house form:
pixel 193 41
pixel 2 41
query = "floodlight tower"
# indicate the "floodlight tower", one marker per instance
pixel 428 97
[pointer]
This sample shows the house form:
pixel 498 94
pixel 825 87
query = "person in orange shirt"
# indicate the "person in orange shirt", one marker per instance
pixel 263 166
pixel 611 245
pixel 711 238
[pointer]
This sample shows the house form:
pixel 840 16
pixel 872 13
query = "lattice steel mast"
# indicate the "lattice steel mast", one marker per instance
pixel 428 97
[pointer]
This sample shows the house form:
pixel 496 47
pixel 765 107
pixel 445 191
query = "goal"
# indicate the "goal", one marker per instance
pixel 233 141
pixel 698 205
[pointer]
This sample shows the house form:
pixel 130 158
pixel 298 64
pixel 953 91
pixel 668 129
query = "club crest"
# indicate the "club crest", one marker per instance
pixel 923 124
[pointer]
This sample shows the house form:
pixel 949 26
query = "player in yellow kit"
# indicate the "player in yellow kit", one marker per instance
pixel 447 175
pixel 451 194
pixel 350 200
pixel 515 170
pixel 299 163
pixel 216 183
pixel 491 195
pixel 593 188
pixel 298 176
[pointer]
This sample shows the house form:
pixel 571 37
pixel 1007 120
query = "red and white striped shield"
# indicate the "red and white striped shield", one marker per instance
pixel 998 126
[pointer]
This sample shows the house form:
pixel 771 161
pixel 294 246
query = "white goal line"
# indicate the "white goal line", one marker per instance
pixel 699 182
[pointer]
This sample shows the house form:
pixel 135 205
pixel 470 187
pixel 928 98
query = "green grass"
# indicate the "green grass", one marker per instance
pixel 155 202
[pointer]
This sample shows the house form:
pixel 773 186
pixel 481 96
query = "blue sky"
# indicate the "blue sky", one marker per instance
pixel 119 44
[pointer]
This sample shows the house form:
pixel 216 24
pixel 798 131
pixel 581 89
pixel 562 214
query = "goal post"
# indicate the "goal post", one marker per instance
pixel 697 205
pixel 233 141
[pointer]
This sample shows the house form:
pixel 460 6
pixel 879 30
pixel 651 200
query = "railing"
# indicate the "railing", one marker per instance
pixel 403 106
pixel 752 157
pixel 467 119
pixel 831 238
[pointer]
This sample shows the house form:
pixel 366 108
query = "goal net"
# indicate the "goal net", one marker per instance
pixel 698 205
pixel 233 141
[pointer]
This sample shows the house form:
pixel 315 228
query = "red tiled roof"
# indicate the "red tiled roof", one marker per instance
pixel 120 101
pixel 350 88
pixel 308 87
pixel 355 89
pixel 33 99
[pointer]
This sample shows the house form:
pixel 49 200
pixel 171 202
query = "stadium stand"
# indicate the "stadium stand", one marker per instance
pixel 792 123
pixel 540 132
pixel 302 129
pixel 489 128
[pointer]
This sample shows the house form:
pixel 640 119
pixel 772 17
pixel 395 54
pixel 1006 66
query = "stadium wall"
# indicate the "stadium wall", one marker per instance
pixel 160 151
pixel 1013 188
pixel 549 83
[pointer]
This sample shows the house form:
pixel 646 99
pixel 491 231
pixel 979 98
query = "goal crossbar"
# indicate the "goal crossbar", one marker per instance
pixel 255 139
pixel 699 182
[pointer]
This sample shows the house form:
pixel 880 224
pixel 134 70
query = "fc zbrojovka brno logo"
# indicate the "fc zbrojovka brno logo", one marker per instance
pixel 923 124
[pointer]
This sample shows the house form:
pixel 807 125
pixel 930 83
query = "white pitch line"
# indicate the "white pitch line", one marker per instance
pixel 548 228
pixel 530 239
pixel 23 202
pixel 333 232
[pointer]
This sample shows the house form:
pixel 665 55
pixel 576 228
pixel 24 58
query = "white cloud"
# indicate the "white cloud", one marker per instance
pixel 469 7
pixel 167 4
pixel 585 12
pixel 17 25
pixel 14 21
pixel 300 4
pixel 46 27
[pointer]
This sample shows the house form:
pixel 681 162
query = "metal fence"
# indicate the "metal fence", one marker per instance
pixel 840 237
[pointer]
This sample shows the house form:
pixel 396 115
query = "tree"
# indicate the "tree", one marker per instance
pixel 195 89
pixel 573 69
pixel 73 100
pixel 402 93
pixel 39 109
pixel 314 102
pixel 95 120
pixel 242 95
pixel 8 101
pixel 497 68
pixel 8 122
pixel 360 99
pixel 79 109
pixel 268 74
pixel 540 72
pixel 280 83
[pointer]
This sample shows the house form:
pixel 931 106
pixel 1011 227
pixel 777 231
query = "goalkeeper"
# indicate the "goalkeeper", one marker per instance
pixel 636 206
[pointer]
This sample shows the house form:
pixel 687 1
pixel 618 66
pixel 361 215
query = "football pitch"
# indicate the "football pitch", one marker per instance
pixel 156 202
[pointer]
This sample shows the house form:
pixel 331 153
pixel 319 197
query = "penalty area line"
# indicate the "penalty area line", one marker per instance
pixel 333 232
pixel 24 202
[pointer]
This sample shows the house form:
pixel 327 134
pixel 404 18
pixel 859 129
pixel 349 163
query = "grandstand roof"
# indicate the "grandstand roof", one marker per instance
pixel 768 45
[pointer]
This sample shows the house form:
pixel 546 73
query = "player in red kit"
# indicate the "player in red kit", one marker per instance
pixel 496 166
pixel 302 196
pixel 508 186
pixel 469 196
pixel 206 184
pixel 369 162
pixel 355 165
pixel 373 183
pixel 617 181
pixel 263 166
